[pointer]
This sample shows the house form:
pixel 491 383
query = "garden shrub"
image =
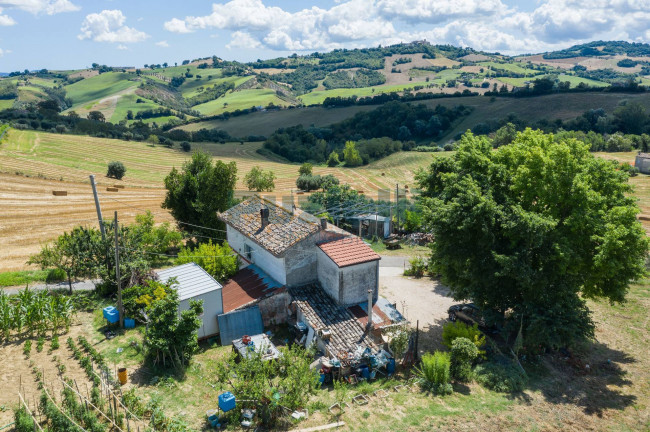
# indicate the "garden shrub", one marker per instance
pixel 55 275
pixel 501 377
pixel 435 372
pixel 116 170
pixel 418 266
pixel 23 422
pixel 463 354
pixel 454 330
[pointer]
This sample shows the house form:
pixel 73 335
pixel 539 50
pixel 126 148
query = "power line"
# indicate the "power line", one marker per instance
pixel 164 214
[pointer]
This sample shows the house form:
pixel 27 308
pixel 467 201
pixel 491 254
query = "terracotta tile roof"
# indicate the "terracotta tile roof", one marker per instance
pixel 323 312
pixel 283 231
pixel 248 286
pixel 348 251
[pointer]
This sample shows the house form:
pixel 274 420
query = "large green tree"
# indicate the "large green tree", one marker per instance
pixel 200 190
pixel 534 227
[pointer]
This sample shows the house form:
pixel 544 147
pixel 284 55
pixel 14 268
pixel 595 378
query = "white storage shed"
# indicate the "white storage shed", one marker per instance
pixel 194 283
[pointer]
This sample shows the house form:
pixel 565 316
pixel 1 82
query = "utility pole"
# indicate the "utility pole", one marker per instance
pixel 120 307
pixel 98 207
pixel 397 204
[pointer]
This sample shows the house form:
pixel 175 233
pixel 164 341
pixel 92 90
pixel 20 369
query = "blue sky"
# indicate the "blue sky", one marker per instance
pixel 68 34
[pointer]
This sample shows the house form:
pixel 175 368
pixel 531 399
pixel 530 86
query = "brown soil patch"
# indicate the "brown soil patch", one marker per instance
pixel 88 73
pixel 16 368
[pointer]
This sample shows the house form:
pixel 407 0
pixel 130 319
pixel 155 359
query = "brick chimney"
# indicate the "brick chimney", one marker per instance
pixel 264 216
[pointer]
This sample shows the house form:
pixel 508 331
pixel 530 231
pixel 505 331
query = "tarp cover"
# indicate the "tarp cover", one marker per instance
pixel 234 325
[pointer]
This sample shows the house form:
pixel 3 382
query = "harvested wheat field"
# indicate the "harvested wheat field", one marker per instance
pixel 34 164
pixel 31 215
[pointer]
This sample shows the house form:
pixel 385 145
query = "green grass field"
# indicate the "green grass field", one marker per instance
pixel 22 278
pixel 128 102
pixel 98 87
pixel 6 103
pixel 317 97
pixel 240 100
pixel 510 67
pixel 190 86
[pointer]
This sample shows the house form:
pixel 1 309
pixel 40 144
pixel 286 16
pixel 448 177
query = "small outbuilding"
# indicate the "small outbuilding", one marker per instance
pixel 194 283
pixel 642 162
pixel 347 270
pixel 368 225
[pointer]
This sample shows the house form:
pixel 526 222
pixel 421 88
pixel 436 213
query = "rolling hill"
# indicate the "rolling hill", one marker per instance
pixel 210 87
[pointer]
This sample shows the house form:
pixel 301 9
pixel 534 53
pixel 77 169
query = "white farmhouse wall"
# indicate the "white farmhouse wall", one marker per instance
pixel 329 275
pixel 212 306
pixel 301 259
pixel 356 280
pixel 272 265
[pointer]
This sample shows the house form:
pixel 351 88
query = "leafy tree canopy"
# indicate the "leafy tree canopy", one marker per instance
pixel 533 227
pixel 259 180
pixel 200 190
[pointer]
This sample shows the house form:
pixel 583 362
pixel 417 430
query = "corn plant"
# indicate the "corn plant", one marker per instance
pixel 6 315
pixel 35 312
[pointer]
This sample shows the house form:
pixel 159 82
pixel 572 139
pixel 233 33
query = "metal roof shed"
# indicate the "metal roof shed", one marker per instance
pixel 194 283
pixel 236 324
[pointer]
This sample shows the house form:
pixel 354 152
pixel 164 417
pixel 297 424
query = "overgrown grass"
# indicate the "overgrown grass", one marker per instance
pixel 22 278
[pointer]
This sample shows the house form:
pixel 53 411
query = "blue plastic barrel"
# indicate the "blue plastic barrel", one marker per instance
pixel 226 401
pixel 129 323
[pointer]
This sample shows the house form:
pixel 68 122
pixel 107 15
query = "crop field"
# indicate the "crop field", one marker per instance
pixel 128 102
pixel 510 67
pixel 33 164
pixel 98 87
pixel 318 96
pixel 190 86
pixel 241 99
pixel 551 107
pixel 6 103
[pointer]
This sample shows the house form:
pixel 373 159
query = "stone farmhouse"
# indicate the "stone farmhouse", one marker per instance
pixel 305 271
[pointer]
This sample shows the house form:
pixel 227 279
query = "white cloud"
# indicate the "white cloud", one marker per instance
pixel 2 52
pixel 49 7
pixel 122 47
pixel 437 11
pixel 108 26
pixel 243 40
pixel 163 44
pixel 6 20
pixel 176 26
pixel 482 24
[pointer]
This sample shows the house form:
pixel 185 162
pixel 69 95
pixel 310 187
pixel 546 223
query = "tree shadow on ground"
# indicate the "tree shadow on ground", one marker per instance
pixel 594 382
pixel 430 337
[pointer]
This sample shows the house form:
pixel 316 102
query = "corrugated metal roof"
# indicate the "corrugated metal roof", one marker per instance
pixel 247 286
pixel 192 280
pixel 234 325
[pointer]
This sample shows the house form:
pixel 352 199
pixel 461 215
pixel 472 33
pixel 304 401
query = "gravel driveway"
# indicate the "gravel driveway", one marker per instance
pixel 424 299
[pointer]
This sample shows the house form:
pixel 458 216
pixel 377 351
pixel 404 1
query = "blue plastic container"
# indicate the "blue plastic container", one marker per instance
pixel 214 420
pixel 227 401
pixel 129 323
pixel 111 314
pixel 390 367
pixel 364 372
